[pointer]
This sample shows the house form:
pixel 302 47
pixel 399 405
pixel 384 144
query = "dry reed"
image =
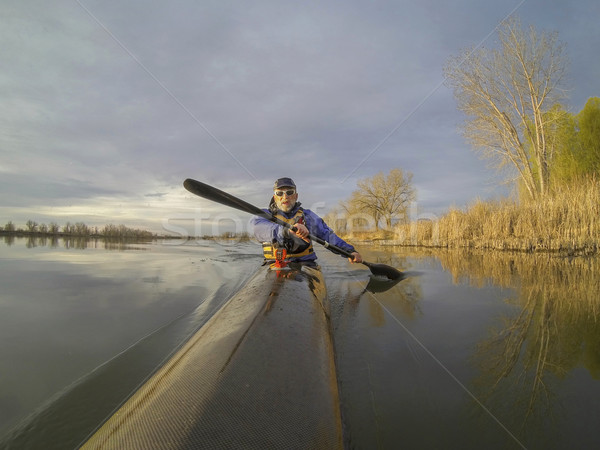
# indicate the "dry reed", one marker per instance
pixel 567 221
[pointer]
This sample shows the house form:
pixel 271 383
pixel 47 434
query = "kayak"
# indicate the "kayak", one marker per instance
pixel 259 374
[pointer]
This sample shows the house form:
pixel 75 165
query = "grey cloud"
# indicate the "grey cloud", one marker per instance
pixel 308 89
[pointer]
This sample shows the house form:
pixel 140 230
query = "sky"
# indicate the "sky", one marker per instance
pixel 108 106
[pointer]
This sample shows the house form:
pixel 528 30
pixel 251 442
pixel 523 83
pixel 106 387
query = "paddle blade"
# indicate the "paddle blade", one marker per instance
pixel 216 195
pixel 382 270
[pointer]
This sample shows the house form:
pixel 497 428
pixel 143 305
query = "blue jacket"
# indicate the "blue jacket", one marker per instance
pixel 266 231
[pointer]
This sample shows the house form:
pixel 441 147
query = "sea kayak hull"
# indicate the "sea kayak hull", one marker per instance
pixel 259 374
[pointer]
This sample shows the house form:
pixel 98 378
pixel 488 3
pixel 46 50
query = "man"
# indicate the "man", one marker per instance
pixel 285 206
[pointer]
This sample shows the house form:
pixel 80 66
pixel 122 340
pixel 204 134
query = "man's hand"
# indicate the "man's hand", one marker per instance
pixel 356 258
pixel 301 232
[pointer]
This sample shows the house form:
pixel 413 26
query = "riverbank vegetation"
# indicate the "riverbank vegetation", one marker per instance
pixel 76 230
pixel 242 236
pixel 80 230
pixel 568 221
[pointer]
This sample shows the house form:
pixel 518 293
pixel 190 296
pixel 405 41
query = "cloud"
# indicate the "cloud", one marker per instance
pixel 120 106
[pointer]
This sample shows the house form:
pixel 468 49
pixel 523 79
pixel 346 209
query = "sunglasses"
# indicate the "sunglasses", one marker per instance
pixel 289 193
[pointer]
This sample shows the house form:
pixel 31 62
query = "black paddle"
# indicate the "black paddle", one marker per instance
pixel 216 195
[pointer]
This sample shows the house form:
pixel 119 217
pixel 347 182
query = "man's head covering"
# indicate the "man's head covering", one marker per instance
pixel 284 182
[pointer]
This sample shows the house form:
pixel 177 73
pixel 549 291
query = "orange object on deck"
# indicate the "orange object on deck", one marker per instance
pixel 280 255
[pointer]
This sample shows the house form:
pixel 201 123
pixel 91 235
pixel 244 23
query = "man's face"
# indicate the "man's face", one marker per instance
pixel 285 198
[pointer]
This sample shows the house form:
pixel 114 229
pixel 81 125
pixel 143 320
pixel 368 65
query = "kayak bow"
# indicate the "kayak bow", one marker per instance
pixel 259 374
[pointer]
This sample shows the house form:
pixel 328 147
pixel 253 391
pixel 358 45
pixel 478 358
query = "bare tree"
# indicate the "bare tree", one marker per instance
pixel 32 226
pixel 505 94
pixel 53 228
pixel 382 197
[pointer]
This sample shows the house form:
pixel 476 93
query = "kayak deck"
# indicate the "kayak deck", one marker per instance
pixel 259 374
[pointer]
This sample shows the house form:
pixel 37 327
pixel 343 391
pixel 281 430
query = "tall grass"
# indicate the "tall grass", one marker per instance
pixel 567 221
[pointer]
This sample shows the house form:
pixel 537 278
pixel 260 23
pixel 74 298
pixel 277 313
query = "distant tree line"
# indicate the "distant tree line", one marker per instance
pixel 78 229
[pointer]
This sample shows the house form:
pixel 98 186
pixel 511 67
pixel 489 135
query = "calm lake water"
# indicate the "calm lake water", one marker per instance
pixel 471 350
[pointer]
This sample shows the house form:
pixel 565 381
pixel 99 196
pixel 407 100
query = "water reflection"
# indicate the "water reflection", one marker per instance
pixel 557 330
pixel 402 295
pixel 520 332
pixel 483 350
pixel 81 327
pixel 79 243
pixel 377 284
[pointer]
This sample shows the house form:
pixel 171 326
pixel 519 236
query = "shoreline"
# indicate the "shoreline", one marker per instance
pixel 530 246
pixel 565 223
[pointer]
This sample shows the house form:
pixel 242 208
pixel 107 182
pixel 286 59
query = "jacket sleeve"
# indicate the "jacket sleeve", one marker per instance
pixel 317 227
pixel 267 231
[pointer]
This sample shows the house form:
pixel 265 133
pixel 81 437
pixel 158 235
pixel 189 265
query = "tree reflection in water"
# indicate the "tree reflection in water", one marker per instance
pixel 80 243
pixel 556 331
